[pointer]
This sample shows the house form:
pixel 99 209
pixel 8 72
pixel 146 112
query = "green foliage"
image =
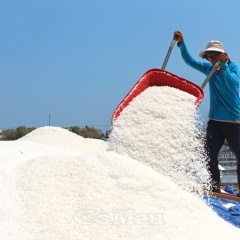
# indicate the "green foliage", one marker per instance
pixel 21 131
pixel 13 134
pixel 91 132
pixel 9 134
pixel 86 132
pixel 75 129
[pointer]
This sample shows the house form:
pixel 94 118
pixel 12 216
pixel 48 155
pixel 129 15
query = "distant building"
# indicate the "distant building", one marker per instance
pixel 228 166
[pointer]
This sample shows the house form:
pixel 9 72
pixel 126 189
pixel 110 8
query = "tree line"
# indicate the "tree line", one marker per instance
pixel 85 132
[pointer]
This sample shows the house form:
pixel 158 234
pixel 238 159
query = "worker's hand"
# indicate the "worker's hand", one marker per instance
pixel 178 35
pixel 223 57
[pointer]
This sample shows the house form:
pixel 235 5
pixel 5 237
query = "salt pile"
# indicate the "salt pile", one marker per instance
pixel 52 191
pixel 160 127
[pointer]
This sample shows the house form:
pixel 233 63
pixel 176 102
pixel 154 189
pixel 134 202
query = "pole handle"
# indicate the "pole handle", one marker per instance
pixel 169 52
pixel 214 68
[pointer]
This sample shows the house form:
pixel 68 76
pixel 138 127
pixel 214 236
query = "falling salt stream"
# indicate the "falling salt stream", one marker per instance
pixel 161 128
pixel 59 186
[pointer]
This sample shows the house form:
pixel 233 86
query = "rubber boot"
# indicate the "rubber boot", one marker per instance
pixel 216 187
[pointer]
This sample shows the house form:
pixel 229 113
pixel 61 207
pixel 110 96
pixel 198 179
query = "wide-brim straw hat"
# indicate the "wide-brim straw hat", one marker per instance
pixel 212 46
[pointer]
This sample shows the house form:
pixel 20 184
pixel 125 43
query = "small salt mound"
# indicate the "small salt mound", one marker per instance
pixel 59 137
pixel 160 128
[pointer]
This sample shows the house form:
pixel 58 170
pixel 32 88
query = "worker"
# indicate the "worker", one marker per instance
pixel 224 112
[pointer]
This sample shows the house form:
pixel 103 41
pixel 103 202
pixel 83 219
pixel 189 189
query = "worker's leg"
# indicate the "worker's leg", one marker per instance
pixel 232 132
pixel 214 142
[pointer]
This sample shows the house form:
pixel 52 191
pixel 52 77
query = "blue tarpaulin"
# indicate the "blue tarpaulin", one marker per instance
pixel 227 209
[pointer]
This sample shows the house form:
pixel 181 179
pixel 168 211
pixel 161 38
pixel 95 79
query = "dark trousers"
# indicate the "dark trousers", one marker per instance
pixel 216 133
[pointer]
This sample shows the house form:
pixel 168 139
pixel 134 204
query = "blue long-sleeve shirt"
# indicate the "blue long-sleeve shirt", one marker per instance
pixel 223 87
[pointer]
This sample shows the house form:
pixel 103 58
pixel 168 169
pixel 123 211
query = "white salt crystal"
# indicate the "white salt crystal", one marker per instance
pixel 160 127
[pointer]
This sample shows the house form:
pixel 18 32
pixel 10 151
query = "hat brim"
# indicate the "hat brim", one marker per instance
pixel 201 54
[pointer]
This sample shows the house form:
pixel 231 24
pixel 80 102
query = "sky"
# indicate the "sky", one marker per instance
pixel 71 62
